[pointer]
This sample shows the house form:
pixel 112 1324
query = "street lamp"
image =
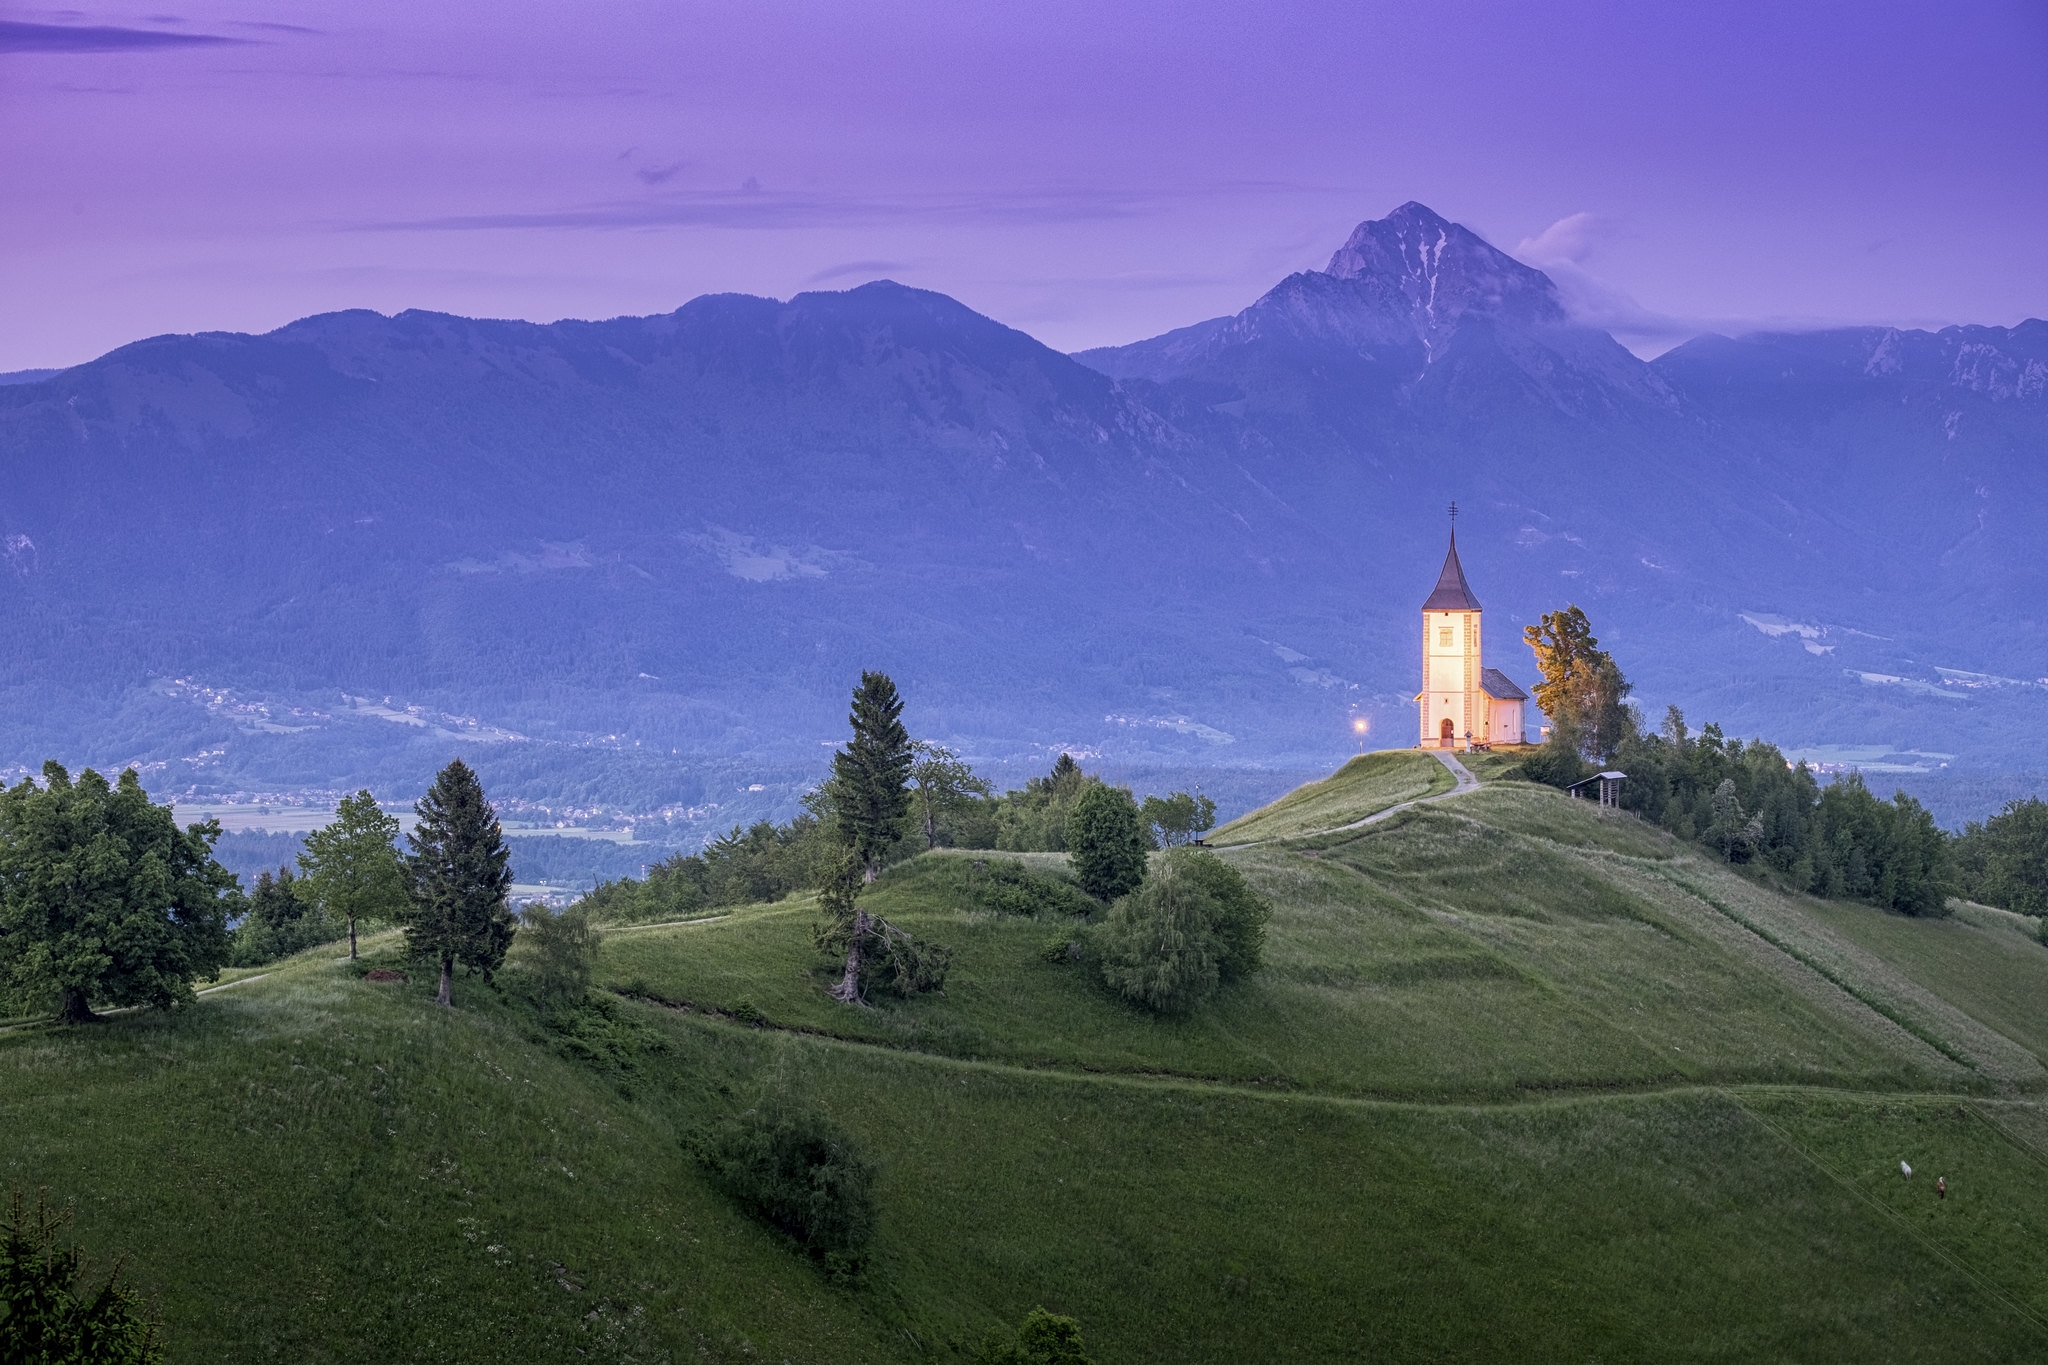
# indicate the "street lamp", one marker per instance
pixel 1360 725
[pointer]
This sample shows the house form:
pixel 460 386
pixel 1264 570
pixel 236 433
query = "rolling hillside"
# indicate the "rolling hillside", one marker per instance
pixel 1518 1083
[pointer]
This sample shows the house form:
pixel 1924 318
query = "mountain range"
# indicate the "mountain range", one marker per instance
pixel 627 559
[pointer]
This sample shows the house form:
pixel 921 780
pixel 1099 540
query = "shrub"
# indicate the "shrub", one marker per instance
pixel 560 951
pixel 1060 949
pixel 1237 917
pixel 1158 949
pixel 1007 887
pixel 1554 765
pixel 1107 842
pixel 1044 1339
pixel 793 1167
pixel 1004 886
pixel 48 1312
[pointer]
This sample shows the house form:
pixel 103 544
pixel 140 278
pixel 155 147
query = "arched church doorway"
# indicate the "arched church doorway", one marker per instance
pixel 1448 734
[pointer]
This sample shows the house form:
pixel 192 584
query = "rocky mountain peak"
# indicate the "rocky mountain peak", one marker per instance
pixel 1443 271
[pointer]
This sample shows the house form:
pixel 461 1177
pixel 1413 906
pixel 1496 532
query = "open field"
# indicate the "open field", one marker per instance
pixel 1519 1083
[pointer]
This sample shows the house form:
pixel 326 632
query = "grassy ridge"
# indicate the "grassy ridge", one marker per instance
pixel 1364 786
pixel 1520 1083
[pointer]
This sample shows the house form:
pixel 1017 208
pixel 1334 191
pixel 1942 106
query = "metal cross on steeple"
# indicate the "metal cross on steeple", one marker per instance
pixel 1454 515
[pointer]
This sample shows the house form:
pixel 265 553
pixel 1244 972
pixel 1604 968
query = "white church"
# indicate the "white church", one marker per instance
pixel 1462 702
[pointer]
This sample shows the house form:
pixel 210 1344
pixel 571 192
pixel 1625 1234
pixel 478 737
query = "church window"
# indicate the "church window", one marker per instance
pixel 1443 638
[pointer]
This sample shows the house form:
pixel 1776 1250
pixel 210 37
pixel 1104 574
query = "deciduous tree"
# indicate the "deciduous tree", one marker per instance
pixel 563 953
pixel 940 784
pixel 459 878
pixel 1581 682
pixel 1177 819
pixel 1106 842
pixel 103 897
pixel 1157 946
pixel 352 865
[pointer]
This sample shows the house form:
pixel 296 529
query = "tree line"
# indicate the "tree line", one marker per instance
pixel 1749 804
pixel 949 806
pixel 105 901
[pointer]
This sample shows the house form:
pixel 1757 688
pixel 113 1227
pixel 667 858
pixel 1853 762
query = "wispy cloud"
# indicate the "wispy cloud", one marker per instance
pixel 874 269
pixel 16 36
pixel 756 208
pixel 657 175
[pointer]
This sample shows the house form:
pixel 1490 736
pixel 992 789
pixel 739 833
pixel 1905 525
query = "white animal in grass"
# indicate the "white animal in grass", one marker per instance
pixel 1905 1170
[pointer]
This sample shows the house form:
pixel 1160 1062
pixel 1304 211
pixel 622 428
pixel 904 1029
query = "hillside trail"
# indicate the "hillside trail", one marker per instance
pixel 1461 774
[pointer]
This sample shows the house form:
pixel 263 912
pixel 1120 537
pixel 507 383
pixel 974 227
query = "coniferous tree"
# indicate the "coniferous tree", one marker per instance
pixel 869 795
pixel 352 866
pixel 103 897
pixel 869 801
pixel 50 1311
pixel 459 877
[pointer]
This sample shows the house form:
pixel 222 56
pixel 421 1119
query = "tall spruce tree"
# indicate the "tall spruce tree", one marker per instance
pixel 869 776
pixel 869 798
pixel 352 867
pixel 459 877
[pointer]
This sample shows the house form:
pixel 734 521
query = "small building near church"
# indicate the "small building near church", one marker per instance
pixel 1503 718
pixel 1462 702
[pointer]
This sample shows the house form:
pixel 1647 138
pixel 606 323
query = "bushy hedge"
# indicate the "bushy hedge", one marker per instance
pixel 1191 926
pixel 792 1166
pixel 1002 885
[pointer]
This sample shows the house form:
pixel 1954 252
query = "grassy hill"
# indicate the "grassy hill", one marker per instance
pixel 1519 1083
pixel 1364 786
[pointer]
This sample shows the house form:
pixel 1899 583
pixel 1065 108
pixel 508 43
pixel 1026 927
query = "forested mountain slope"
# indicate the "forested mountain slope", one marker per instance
pixel 240 560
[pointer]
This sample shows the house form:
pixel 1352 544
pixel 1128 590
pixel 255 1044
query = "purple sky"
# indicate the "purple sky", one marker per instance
pixel 1091 173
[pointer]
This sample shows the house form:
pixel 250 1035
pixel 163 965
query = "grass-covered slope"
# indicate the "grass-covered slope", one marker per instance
pixel 1519 1083
pixel 1364 786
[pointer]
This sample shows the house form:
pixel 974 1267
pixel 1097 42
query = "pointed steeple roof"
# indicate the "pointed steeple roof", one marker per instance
pixel 1452 593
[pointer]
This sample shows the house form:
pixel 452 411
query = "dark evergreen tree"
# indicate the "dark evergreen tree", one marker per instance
pixel 49 1309
pixel 459 877
pixel 280 919
pixel 870 797
pixel 869 776
pixel 103 897
pixel 1106 841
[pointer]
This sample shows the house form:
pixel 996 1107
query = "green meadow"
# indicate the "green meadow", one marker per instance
pixel 1519 1082
pixel 1364 786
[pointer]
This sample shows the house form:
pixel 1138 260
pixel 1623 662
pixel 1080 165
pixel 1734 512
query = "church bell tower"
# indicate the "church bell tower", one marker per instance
pixel 1452 702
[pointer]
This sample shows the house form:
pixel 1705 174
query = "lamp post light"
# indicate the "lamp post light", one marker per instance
pixel 1359 726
